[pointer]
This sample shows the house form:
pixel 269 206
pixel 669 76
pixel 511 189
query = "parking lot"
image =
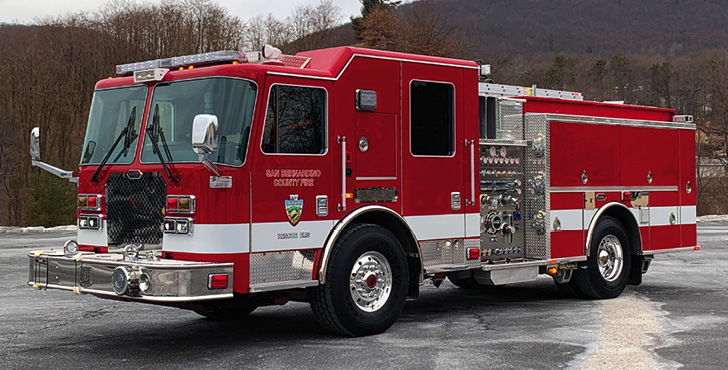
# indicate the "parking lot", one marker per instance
pixel 677 318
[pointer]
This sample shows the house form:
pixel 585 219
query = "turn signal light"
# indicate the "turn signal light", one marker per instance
pixel 473 253
pixel 89 202
pixel 181 203
pixel 217 281
pixel 552 271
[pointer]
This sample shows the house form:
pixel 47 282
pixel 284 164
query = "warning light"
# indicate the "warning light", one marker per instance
pixel 473 253
pixel 696 248
pixel 552 271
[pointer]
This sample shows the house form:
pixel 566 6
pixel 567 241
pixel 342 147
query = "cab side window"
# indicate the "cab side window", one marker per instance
pixel 432 118
pixel 295 122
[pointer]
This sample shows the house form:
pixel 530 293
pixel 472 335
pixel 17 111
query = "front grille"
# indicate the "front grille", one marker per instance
pixel 134 208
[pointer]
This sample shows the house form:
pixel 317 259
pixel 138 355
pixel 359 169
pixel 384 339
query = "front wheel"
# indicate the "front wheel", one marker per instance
pixel 366 283
pixel 609 261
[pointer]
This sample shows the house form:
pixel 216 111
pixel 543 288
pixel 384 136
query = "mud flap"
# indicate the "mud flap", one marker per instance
pixel 640 264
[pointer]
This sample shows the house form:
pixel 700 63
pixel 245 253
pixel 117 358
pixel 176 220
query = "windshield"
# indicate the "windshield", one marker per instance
pixel 175 105
pixel 110 112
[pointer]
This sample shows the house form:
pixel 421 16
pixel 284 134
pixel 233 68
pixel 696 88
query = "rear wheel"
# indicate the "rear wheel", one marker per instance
pixel 366 283
pixel 608 263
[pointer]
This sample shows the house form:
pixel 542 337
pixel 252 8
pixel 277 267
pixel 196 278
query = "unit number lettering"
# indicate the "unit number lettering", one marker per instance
pixel 301 235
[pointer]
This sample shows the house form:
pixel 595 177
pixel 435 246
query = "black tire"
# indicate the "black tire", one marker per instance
pixel 570 289
pixel 225 312
pixel 333 302
pixel 591 282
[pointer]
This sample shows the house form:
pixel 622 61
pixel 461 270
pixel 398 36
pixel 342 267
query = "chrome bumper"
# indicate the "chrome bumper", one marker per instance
pixel 168 281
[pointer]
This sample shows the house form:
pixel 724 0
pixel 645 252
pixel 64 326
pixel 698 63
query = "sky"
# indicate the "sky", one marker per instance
pixel 25 11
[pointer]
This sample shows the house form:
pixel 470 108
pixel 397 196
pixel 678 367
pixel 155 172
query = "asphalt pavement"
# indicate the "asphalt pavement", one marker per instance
pixel 677 318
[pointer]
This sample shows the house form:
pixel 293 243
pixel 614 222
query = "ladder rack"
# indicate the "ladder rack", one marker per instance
pixel 497 90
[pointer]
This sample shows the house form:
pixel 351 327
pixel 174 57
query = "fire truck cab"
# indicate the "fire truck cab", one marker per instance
pixel 346 177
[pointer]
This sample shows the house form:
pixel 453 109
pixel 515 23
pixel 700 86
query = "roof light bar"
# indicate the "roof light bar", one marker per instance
pixel 215 57
pixel 186 60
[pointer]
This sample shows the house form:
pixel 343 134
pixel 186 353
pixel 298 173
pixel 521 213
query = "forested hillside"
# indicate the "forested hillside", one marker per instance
pixel 601 27
pixel 665 53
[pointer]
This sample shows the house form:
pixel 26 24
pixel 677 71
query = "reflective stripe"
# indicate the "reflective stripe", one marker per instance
pixel 687 215
pixel 437 226
pixel 282 236
pixel 93 237
pixel 570 219
pixel 210 238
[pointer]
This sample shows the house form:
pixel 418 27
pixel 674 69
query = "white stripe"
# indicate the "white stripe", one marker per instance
pixel 280 236
pixel 93 237
pixel 437 226
pixel 660 216
pixel 570 219
pixel 687 215
pixel 210 238
pixel 472 225
pixel 588 216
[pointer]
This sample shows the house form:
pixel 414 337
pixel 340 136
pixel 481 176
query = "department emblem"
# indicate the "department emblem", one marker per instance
pixel 294 208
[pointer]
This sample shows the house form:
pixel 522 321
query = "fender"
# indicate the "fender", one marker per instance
pixel 596 217
pixel 341 225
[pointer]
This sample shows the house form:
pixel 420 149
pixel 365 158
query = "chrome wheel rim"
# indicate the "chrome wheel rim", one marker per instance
pixel 370 281
pixel 610 259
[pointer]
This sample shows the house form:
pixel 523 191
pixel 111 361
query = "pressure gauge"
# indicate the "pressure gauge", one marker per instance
pixel 493 151
pixel 503 151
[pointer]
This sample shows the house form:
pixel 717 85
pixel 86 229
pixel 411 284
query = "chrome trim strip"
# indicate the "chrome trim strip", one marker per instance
pixel 615 121
pixel 339 227
pixel 504 142
pixel 576 189
pixel 97 292
pixel 670 250
pixel 472 170
pixel 506 266
pixel 595 219
pixel 282 285
pixel 343 173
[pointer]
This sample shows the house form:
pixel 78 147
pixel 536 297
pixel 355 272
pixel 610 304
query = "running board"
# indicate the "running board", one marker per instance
pixel 507 276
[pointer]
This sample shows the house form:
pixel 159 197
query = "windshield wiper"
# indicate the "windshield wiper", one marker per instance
pixel 155 147
pixel 126 134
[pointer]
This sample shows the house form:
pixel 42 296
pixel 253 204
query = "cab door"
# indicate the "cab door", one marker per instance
pixel 433 153
pixel 291 175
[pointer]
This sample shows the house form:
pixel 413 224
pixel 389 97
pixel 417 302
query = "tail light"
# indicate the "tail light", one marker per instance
pixel 217 281
pixel 181 204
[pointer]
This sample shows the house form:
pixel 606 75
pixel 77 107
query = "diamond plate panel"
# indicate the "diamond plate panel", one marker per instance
pixel 509 119
pixel 442 252
pixel 536 196
pixel 471 243
pixel 285 266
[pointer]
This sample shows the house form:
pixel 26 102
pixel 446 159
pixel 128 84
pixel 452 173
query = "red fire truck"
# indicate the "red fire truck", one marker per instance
pixel 345 177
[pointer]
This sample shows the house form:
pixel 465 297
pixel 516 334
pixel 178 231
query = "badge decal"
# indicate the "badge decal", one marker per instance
pixel 294 208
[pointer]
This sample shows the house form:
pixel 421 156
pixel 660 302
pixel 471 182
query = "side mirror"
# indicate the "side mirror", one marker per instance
pixel 35 144
pixel 204 134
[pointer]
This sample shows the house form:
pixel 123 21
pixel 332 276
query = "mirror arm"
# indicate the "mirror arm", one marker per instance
pixel 208 164
pixel 55 170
